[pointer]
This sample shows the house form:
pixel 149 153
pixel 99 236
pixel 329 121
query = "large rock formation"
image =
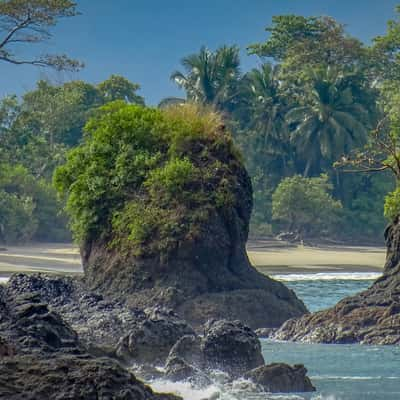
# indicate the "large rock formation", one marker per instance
pixel 60 341
pixel 371 317
pixel 173 220
pixel 42 358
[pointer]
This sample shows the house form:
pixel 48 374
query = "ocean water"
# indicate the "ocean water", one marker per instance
pixel 339 372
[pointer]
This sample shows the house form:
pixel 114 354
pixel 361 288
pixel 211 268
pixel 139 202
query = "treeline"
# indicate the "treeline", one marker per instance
pixel 299 118
pixel 35 135
pixel 313 101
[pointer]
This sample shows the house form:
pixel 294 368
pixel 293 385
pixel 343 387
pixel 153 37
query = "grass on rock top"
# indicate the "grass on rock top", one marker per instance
pixel 144 179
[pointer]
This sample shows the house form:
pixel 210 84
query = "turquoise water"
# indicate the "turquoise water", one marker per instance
pixel 318 295
pixel 344 372
pixel 339 372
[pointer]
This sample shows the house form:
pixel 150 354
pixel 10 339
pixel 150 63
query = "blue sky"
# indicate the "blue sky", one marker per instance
pixel 144 40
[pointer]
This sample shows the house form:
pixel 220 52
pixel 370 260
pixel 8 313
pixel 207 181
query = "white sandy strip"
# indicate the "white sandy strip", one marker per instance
pixel 3 280
pixel 328 276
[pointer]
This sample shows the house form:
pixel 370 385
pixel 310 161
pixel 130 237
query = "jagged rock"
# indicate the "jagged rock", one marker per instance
pixel 152 339
pixel 281 378
pixel 42 358
pixel 371 317
pixel 231 347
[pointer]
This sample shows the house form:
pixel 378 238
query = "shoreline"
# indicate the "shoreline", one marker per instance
pixel 269 257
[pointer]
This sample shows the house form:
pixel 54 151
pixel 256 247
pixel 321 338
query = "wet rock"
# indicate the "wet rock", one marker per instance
pixel 189 349
pixel 281 378
pixel 178 370
pixel 232 347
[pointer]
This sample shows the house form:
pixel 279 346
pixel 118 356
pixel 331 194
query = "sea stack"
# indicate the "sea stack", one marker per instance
pixel 174 217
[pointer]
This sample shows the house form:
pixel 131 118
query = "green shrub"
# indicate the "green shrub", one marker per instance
pixel 392 205
pixel 305 206
pixel 146 178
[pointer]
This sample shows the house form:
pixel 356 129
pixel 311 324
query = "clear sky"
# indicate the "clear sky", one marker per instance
pixel 144 40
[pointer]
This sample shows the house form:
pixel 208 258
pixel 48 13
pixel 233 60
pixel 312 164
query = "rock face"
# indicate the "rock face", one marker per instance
pixel 105 326
pixel 371 317
pixel 281 378
pixel 232 347
pixel 151 340
pixel 207 274
pixel 42 358
pixel 60 341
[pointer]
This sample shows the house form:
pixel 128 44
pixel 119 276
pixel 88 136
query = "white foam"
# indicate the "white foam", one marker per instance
pixel 328 276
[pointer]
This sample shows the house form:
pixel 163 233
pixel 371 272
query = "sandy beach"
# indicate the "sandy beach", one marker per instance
pixel 270 257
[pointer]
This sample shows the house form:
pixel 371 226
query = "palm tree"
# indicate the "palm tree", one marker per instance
pixel 211 77
pixel 329 121
pixel 262 109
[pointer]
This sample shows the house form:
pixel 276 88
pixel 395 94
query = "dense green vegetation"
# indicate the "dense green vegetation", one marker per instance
pixel 35 135
pixel 315 99
pixel 321 103
pixel 148 178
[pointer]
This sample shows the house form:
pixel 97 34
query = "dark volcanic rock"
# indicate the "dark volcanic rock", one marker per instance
pixel 371 317
pixel 178 370
pixel 70 377
pixel 151 340
pixel 231 347
pixel 104 326
pixel 281 378
pixel 204 276
pixel 41 358
pixel 189 349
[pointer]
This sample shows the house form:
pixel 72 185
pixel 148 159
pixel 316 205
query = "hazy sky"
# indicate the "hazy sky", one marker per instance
pixel 144 40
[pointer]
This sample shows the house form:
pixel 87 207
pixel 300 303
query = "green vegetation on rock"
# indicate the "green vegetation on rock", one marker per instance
pixel 148 178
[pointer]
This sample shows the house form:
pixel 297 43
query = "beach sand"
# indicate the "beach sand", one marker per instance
pixel 270 257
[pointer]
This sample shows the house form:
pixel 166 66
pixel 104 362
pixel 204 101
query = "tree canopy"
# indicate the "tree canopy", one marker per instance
pixel 29 22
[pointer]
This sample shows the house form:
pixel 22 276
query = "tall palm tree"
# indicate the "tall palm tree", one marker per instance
pixel 329 121
pixel 210 77
pixel 262 109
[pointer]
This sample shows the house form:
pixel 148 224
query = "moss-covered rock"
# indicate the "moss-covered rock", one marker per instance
pixel 160 202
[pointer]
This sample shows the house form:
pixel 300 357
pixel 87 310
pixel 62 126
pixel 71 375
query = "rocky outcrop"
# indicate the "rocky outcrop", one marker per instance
pixel 207 274
pixel 234 349
pixel 150 341
pixel 371 317
pixel 281 378
pixel 105 326
pixel 42 358
pixel 60 341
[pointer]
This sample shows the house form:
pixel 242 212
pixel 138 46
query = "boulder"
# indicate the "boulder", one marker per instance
pixel 42 358
pixel 281 378
pixel 151 340
pixel 370 317
pixel 231 347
